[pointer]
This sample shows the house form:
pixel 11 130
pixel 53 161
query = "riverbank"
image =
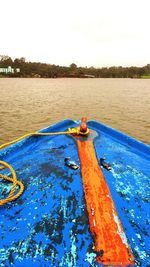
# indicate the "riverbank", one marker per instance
pixel 23 69
pixel 145 77
pixel 73 77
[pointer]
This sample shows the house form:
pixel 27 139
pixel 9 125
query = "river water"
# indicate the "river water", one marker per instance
pixel 27 105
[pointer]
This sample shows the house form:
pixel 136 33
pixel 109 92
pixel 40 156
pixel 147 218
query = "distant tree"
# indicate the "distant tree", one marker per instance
pixel 73 66
pixel 4 57
pixel 5 61
pixel 19 60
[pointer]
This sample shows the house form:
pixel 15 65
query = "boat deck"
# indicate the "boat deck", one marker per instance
pixel 48 225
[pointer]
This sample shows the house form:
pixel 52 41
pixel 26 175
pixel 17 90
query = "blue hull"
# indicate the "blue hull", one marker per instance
pixel 48 225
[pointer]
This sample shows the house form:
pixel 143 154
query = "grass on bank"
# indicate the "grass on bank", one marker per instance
pixel 145 76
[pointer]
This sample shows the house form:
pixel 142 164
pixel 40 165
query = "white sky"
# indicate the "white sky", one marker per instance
pixel 86 32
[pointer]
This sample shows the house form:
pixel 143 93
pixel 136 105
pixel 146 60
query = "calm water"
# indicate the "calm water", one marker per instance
pixel 27 105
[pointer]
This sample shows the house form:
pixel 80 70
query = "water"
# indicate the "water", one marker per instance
pixel 27 105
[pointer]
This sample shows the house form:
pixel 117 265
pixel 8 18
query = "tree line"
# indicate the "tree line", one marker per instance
pixel 43 70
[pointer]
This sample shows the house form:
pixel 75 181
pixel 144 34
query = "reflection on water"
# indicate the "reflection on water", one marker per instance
pixel 27 105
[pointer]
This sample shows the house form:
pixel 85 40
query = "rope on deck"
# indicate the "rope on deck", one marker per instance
pixel 12 195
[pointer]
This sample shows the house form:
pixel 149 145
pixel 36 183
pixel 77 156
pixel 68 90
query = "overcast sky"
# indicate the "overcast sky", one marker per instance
pixel 86 32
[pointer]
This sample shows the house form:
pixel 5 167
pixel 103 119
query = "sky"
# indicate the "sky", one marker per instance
pixel 98 33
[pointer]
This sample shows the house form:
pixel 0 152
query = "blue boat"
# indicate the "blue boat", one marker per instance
pixel 84 199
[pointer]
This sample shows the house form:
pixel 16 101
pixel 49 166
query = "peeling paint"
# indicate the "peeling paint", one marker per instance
pixel 48 225
pixel 120 232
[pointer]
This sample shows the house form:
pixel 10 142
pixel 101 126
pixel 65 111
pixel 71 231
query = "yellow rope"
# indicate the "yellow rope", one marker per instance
pixel 70 131
pixel 12 196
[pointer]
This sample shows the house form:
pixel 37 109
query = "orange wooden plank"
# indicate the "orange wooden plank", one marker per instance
pixel 110 242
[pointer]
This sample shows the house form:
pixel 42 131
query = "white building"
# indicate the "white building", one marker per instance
pixel 9 69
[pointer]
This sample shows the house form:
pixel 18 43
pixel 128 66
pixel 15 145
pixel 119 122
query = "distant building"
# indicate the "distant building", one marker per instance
pixel 9 69
pixel 17 70
pixel 89 76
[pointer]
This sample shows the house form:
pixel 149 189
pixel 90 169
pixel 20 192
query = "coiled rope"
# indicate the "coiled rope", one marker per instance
pixel 12 196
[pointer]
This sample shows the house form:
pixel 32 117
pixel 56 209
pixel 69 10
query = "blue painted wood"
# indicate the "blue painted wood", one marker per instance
pixel 48 225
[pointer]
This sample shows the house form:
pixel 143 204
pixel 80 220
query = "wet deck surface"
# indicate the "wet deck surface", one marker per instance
pixel 48 225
